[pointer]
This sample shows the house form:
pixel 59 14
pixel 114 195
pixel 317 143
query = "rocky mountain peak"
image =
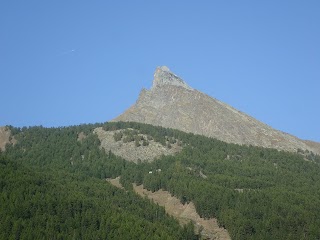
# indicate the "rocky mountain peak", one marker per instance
pixel 172 103
pixel 163 76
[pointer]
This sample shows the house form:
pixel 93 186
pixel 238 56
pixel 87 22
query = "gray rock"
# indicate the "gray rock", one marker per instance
pixel 172 103
pixel 163 76
pixel 6 138
pixel 131 152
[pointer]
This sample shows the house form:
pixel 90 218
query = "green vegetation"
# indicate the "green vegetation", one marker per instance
pixel 51 188
pixel 117 136
pixel 58 205
pixel 255 193
pixel 129 135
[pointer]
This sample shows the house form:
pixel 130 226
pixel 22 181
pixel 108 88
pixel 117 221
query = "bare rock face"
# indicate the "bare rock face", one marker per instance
pixel 5 134
pixel 172 103
pixel 129 151
pixel 163 76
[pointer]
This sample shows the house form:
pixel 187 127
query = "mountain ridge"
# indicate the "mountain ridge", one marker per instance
pixel 174 104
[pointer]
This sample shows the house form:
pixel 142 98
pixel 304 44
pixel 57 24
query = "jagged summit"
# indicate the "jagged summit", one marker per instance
pixel 172 103
pixel 163 76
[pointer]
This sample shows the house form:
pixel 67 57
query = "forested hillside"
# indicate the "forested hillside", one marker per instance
pixel 256 193
pixel 52 186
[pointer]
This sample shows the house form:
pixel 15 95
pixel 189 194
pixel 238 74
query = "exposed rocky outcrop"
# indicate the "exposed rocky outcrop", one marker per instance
pixel 172 103
pixel 163 76
pixel 5 138
pixel 313 145
pixel 130 151
pixel 208 228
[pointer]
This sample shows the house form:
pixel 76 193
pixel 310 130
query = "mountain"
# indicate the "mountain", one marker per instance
pixel 171 103
pixel 53 180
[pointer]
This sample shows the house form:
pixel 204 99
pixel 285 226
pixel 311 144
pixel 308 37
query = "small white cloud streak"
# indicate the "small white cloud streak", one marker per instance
pixel 67 52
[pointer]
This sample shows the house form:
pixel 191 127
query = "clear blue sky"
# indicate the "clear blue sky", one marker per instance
pixel 71 62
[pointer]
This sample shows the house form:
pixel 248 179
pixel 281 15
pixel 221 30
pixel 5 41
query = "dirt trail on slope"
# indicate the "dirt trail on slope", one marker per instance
pixel 183 213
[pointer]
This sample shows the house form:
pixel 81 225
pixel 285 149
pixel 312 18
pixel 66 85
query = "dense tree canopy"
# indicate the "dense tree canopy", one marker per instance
pixel 256 193
pixel 58 205
pixel 52 186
